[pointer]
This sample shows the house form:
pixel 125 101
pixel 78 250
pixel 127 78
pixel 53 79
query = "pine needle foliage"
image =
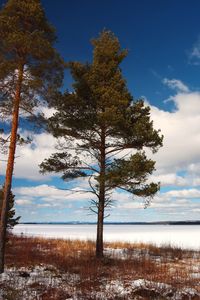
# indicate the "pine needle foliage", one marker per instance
pixel 12 220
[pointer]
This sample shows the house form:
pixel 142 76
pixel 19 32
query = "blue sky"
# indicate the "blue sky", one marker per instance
pixel 163 66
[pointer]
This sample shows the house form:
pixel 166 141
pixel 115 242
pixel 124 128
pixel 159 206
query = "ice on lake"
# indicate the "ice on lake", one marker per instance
pixel 184 236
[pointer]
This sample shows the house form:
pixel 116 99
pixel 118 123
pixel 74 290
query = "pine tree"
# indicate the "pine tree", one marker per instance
pixel 12 220
pixel 99 123
pixel 31 70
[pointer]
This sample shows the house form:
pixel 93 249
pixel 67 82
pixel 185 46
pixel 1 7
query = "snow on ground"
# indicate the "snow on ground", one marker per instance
pixel 184 236
pixel 31 283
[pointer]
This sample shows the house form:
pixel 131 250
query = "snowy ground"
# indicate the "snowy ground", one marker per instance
pixel 184 236
pixel 36 282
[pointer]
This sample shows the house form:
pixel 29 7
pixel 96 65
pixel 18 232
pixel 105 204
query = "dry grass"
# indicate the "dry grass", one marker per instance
pixel 124 261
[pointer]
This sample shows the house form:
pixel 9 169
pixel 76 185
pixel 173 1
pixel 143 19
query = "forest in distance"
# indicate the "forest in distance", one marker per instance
pixel 121 223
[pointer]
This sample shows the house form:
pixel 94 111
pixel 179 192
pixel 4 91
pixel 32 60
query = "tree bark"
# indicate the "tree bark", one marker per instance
pixel 101 204
pixel 10 166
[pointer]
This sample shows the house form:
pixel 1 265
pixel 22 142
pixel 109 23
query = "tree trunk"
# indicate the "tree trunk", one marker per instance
pixel 99 241
pixel 10 166
pixel 101 204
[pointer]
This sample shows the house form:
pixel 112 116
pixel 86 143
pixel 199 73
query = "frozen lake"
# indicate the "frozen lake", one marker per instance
pixel 185 236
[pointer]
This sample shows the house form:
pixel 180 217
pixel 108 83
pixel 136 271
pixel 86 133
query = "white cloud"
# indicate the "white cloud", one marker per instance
pixel 131 205
pixel 48 112
pixel 169 179
pixel 189 193
pixel 47 205
pixel 176 84
pixel 49 196
pixel 167 205
pixel 28 157
pixel 181 145
pixel 23 202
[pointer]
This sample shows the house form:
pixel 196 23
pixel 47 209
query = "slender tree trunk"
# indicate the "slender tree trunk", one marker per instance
pixel 101 204
pixel 10 166
pixel 99 241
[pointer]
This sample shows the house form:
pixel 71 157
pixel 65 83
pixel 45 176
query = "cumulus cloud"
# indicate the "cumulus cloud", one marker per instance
pixel 170 179
pixel 49 194
pixel 28 157
pixel 168 205
pixel 181 146
pixel 163 207
pixel 176 84
pixel 185 193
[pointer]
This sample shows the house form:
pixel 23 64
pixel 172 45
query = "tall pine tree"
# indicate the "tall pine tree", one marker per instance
pixel 97 123
pixel 31 70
